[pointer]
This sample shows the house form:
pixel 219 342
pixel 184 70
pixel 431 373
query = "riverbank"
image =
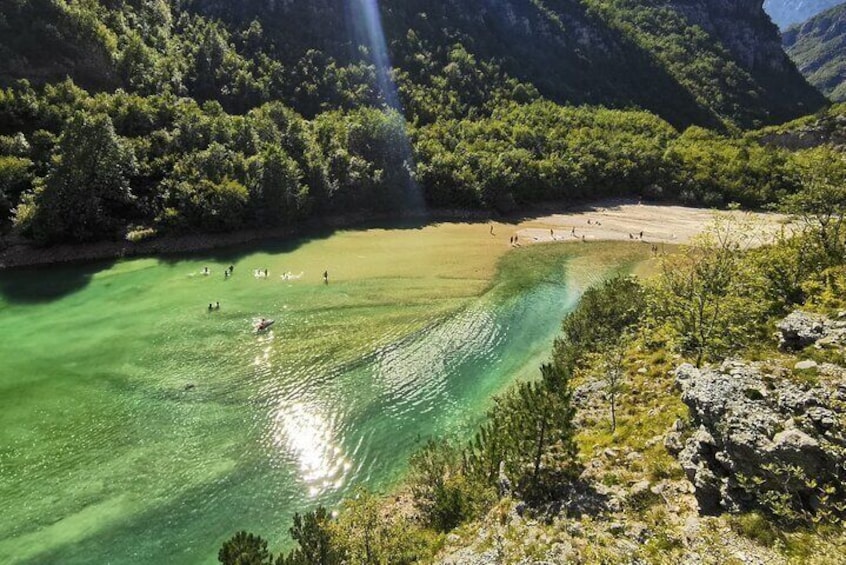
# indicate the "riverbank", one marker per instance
pixel 606 220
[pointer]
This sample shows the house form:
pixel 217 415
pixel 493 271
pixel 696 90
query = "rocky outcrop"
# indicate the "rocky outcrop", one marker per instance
pixel 802 329
pixel 756 435
pixel 825 128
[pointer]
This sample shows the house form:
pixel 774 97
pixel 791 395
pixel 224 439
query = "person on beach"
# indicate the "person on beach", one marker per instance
pixel 325 277
pixel 492 232
pixel 641 235
pixel 572 231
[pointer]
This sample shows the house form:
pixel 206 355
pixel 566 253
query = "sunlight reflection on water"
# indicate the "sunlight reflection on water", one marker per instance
pixel 308 436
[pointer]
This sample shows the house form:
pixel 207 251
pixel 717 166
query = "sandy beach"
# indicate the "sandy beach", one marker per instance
pixel 633 221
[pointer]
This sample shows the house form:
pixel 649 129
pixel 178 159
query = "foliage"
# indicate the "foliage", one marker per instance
pixel 312 533
pixel 442 491
pixel 605 313
pixel 715 170
pixel 276 186
pixel 793 498
pixel 821 203
pixel 87 190
pixel 371 159
pixel 369 537
pixel 528 435
pixel 245 549
pixel 15 179
pixel 706 297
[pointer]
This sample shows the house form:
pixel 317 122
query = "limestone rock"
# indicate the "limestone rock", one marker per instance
pixel 751 424
pixel 800 329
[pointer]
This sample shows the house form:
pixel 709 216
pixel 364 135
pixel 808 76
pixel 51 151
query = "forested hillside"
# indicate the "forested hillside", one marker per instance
pixel 140 117
pixel 818 47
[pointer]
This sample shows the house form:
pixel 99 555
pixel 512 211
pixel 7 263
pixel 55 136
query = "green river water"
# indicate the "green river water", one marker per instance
pixel 138 427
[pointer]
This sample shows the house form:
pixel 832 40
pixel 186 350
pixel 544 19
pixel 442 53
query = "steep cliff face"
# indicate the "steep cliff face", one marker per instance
pixel 742 27
pixel 819 49
pixel 789 12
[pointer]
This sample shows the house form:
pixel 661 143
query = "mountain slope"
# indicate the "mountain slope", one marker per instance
pixel 818 47
pixel 691 61
pixel 785 13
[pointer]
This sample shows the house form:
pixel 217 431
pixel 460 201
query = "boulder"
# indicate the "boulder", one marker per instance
pixel 752 425
pixel 800 329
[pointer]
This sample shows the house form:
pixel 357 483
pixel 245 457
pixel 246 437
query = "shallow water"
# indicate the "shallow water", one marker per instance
pixel 138 427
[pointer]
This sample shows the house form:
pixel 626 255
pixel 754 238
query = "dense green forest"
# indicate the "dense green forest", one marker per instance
pixel 136 118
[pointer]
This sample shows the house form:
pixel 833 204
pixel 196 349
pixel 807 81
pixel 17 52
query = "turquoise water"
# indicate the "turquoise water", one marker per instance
pixel 138 427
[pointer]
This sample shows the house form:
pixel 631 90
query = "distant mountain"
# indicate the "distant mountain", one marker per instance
pixel 818 47
pixel 785 13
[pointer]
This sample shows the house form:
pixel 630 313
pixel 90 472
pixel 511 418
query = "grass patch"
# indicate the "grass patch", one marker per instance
pixel 756 527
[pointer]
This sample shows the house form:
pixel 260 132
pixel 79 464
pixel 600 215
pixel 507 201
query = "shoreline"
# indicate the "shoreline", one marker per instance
pixel 602 220
pixel 19 253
